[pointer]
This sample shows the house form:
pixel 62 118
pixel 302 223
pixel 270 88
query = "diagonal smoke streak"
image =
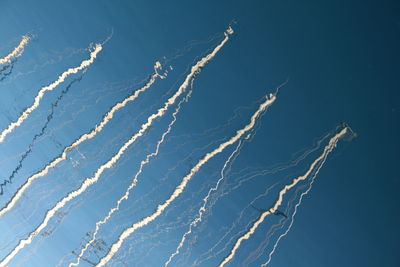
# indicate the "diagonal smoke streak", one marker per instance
pixel 328 148
pixel 44 60
pixel 203 207
pixel 293 215
pixel 210 253
pixel 255 254
pixel 259 251
pixel 89 181
pixel 17 51
pixel 242 214
pixel 36 136
pixel 25 114
pixel 249 174
pixel 180 188
pixel 134 182
pixel 85 185
pixel 87 136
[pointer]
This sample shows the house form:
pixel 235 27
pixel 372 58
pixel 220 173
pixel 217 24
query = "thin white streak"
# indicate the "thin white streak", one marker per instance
pixel 132 185
pixel 203 207
pixel 295 212
pixel 328 148
pixel 87 182
pixel 84 64
pixel 180 188
pixel 108 116
pixel 17 51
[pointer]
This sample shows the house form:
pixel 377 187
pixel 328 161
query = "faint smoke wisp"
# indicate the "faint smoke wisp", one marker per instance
pixel 38 135
pixel 180 188
pixel 25 114
pixel 87 136
pixel 321 159
pixel 203 207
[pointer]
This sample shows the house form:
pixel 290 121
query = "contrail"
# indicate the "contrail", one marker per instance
pixel 294 214
pixel 84 186
pixel 87 136
pixel 84 64
pixel 42 131
pixel 89 181
pixel 133 184
pixel 321 159
pixel 206 256
pixel 249 174
pixel 180 188
pixel 203 207
pixel 187 82
pixel 255 254
pixel 17 51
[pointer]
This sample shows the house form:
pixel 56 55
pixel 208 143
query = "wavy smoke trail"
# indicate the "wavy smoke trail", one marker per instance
pixel 249 174
pixel 85 184
pixel 180 188
pixel 187 82
pixel 321 159
pixel 291 219
pixel 44 60
pixel 89 181
pixel 305 193
pixel 25 114
pixel 17 51
pixel 87 136
pixel 255 254
pixel 210 253
pixel 38 135
pixel 203 207
pixel 237 183
pixel 134 182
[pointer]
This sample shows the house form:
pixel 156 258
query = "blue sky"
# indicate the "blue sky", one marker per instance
pixel 341 61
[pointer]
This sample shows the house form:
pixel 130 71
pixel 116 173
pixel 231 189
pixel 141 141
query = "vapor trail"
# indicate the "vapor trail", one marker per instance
pixel 89 181
pixel 321 159
pixel 84 64
pixel 87 136
pixel 249 174
pixel 132 185
pixel 294 214
pixel 17 51
pixel 180 188
pixel 29 150
pixel 203 207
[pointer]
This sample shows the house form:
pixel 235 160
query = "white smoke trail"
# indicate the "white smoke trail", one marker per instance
pixel 294 214
pixel 86 183
pixel 132 185
pixel 328 148
pixel 89 181
pixel 107 117
pixel 17 51
pixel 210 253
pixel 249 174
pixel 203 207
pixel 180 188
pixel 84 64
pixel 255 254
